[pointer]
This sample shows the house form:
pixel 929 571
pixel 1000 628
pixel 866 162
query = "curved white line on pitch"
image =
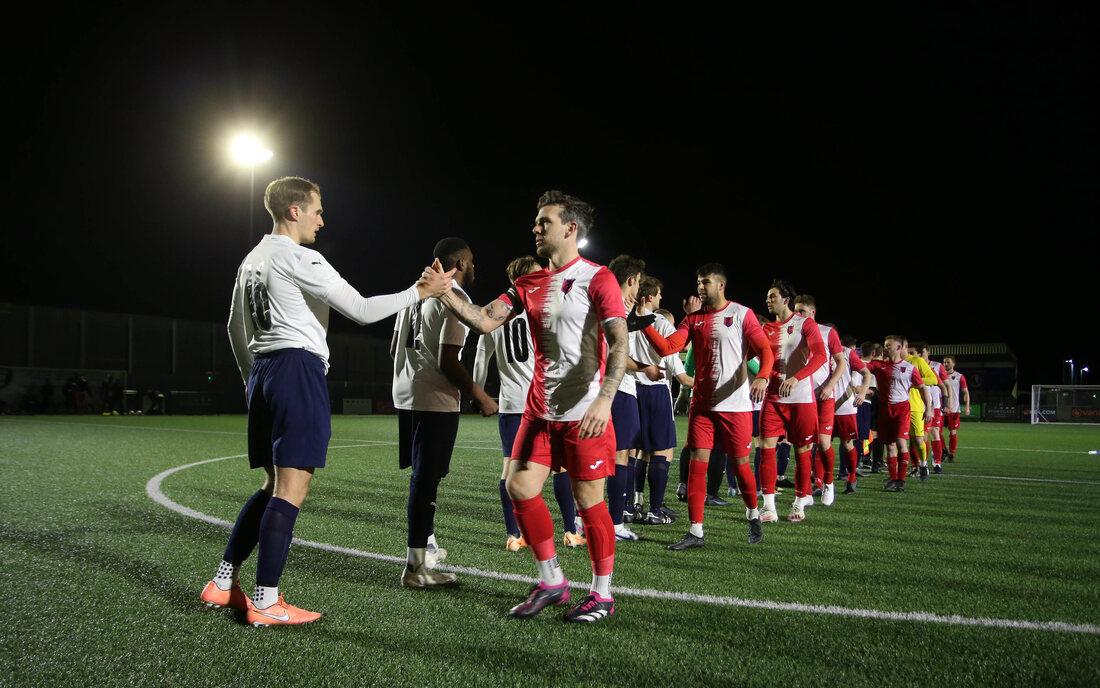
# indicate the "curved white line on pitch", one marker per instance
pixel 152 489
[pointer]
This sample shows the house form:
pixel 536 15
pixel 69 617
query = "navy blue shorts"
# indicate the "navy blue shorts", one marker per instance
pixel 289 416
pixel 624 414
pixel 864 416
pixel 658 429
pixel 509 426
pixel 426 440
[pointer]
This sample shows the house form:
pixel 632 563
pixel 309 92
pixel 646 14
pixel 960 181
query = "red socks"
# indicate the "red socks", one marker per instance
pixel 696 490
pixel 767 470
pixel 600 532
pixel 954 443
pixel 829 459
pixel 746 483
pixel 537 527
pixel 903 466
pixel 802 478
pixel 853 462
pixel 937 452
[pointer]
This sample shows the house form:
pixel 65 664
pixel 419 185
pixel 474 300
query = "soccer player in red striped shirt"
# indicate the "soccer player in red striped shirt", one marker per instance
pixel 789 408
pixel 895 376
pixel 572 305
pixel 955 383
pixel 825 383
pixel 722 334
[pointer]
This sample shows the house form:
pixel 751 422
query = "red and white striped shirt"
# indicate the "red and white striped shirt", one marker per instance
pixel 720 340
pixel 566 308
pixel 895 379
pixel 955 383
pixel 797 344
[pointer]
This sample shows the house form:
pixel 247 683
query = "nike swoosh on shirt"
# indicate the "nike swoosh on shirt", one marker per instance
pixel 316 262
pixel 534 289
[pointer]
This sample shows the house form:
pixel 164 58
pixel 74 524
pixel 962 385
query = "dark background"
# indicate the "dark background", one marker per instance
pixel 930 172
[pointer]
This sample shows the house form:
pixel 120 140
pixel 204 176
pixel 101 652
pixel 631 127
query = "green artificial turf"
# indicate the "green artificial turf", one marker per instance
pixel 102 583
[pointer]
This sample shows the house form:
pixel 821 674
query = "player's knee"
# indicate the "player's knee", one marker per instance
pixel 588 493
pixel 522 486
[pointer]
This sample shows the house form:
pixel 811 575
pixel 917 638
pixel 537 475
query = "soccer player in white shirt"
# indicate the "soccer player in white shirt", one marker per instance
pixel 658 428
pixel 428 382
pixel 628 273
pixel 278 319
pixel 572 306
pixel 514 352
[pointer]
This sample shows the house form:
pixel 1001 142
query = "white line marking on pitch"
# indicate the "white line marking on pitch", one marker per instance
pixel 152 489
pixel 1029 480
pixel 1019 449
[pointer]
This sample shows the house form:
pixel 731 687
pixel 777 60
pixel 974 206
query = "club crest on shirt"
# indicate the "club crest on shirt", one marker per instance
pixel 729 321
pixel 566 285
pixel 790 329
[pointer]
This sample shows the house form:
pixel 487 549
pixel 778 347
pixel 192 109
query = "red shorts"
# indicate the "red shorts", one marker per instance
pixel 952 420
pixel 937 418
pixel 893 422
pixel 847 427
pixel 826 413
pixel 734 430
pixel 797 421
pixel 555 444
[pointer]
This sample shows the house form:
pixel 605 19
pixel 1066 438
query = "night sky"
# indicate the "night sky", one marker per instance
pixel 930 172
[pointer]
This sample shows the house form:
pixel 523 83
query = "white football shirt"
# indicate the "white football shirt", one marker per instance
pixel 281 300
pixel 422 330
pixel 511 343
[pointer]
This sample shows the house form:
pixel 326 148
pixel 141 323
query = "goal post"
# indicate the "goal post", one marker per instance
pixel 1075 404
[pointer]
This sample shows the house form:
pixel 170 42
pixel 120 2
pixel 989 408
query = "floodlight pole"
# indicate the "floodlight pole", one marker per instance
pixel 1070 362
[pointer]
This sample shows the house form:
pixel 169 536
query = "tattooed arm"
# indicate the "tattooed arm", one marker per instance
pixel 480 319
pixel 599 411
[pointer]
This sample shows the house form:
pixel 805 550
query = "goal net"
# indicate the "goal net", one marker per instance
pixel 1065 404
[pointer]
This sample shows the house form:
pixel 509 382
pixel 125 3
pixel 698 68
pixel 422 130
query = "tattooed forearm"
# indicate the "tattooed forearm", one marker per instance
pixel 616 333
pixel 479 319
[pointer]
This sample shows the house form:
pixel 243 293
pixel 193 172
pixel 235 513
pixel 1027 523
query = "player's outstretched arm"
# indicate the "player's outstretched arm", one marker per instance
pixel 481 319
pixel 596 417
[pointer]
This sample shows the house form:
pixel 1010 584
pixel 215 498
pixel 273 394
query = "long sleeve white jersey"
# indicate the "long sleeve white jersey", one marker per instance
pixel 281 300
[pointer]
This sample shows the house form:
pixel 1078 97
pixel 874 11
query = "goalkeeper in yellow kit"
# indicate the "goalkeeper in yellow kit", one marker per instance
pixel 919 454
